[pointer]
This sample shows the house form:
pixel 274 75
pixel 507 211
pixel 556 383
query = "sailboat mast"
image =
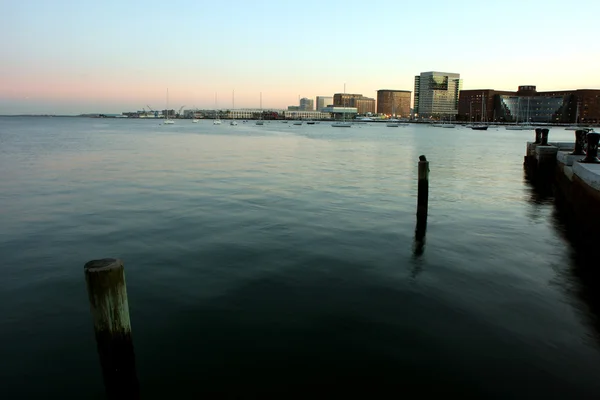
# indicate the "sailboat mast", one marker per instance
pixel 482 107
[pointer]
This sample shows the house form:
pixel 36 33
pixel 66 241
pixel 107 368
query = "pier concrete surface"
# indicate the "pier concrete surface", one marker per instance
pixel 575 183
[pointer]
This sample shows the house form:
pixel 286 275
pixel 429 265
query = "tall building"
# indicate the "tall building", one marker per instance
pixel 307 104
pixel 394 102
pixel 363 105
pixel 529 105
pixel 324 101
pixel 436 94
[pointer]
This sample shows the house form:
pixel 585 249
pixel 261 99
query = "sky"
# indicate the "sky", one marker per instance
pixel 80 56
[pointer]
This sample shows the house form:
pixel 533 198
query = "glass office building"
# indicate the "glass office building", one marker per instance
pixel 531 108
pixel 436 94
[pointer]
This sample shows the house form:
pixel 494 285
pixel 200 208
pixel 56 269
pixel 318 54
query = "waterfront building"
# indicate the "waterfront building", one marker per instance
pixel 529 105
pixel 306 115
pixel 307 104
pixel 436 94
pixel 324 101
pixel 338 112
pixel 364 105
pixel 393 103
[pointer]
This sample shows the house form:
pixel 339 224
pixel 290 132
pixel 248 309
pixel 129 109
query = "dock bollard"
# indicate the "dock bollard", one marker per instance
pixel 107 292
pixel 592 148
pixel 544 141
pixel 580 135
pixel 538 135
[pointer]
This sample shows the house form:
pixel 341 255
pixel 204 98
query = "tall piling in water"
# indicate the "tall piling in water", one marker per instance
pixel 107 292
pixel 422 204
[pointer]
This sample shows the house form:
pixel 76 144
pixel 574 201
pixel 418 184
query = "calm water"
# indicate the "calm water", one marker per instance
pixel 279 260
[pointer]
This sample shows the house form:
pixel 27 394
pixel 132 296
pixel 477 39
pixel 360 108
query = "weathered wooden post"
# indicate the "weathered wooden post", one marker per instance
pixel 592 148
pixel 422 204
pixel 105 281
pixel 423 187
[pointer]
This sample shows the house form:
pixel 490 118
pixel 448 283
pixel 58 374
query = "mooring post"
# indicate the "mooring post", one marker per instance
pixel 592 148
pixel 422 204
pixel 579 142
pixel 107 292
pixel 544 141
pixel 538 135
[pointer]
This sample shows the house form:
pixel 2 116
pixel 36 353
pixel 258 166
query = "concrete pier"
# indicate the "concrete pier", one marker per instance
pixel 576 185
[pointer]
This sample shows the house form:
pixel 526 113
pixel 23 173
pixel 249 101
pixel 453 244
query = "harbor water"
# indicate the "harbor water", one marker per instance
pixel 278 260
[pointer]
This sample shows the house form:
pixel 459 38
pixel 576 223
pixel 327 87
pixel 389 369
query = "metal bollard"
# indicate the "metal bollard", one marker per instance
pixel 538 135
pixel 544 140
pixel 580 135
pixel 592 148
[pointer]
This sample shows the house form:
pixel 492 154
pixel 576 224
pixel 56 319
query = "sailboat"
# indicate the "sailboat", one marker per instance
pixel 217 120
pixel 260 120
pixel 577 124
pixel 520 127
pixel 168 121
pixel 449 124
pixel 393 122
pixel 481 126
pixel 574 127
pixel 233 122
pixel 343 123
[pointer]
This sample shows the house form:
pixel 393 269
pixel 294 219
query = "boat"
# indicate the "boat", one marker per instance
pixel 482 126
pixel 517 126
pixel 168 121
pixel 393 122
pixel 217 120
pixel 260 120
pixel 233 122
pixel 297 122
pixel 342 123
pixel 195 121
pixel 576 126
pixel 310 122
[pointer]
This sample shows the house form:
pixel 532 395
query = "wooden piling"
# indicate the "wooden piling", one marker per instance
pixel 423 186
pixel 105 281
pixel 422 204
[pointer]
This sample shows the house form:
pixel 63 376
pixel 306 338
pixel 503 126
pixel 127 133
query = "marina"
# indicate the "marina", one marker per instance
pixel 281 259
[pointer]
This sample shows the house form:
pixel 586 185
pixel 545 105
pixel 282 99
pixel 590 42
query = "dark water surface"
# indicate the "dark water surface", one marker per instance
pixel 279 260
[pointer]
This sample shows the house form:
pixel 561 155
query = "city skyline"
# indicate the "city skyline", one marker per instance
pixel 110 57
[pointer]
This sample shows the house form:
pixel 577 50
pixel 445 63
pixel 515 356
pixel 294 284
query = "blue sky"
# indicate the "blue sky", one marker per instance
pixel 110 56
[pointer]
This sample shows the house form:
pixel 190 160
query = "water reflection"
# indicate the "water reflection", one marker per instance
pixel 582 278
pixel 583 268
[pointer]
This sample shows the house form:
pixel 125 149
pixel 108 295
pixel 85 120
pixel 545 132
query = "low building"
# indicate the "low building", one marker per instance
pixel 529 105
pixel 341 112
pixel 363 104
pixel 306 115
